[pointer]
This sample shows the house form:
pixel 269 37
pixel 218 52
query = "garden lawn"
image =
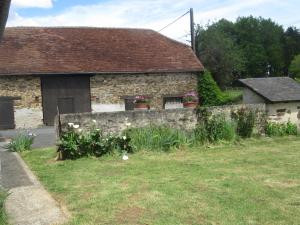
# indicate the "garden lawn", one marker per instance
pixel 254 182
pixel 3 218
pixel 232 96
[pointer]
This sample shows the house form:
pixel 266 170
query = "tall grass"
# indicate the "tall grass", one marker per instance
pixel 163 138
pixel 22 142
pixel 157 138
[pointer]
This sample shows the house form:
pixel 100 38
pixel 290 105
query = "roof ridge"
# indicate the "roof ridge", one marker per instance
pixel 77 27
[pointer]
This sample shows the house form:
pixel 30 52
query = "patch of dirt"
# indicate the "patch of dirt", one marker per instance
pixel 282 184
pixel 130 215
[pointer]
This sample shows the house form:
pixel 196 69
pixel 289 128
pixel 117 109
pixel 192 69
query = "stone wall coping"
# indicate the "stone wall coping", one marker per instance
pixel 131 112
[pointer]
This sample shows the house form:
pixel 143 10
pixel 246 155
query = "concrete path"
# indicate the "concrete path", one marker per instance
pixel 45 136
pixel 28 202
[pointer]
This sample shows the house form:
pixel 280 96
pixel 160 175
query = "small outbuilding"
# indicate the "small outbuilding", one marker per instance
pixel 280 94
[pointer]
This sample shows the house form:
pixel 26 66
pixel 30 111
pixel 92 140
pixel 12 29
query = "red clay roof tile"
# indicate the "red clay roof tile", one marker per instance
pixel 92 50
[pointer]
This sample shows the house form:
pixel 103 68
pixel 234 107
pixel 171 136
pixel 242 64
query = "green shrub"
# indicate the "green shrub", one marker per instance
pixel 280 129
pixel 218 128
pixel 22 142
pixel 74 144
pixel 245 119
pixel 157 138
pixel 208 90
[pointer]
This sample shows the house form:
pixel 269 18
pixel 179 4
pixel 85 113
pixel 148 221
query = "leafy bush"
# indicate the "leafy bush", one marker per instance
pixel 209 92
pixel 220 129
pixel 157 138
pixel 74 144
pixel 280 129
pixel 22 142
pixel 245 119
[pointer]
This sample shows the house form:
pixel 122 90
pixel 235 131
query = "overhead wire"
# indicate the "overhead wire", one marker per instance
pixel 174 21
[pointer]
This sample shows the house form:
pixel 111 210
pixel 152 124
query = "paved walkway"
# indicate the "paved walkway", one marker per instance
pixel 45 136
pixel 28 202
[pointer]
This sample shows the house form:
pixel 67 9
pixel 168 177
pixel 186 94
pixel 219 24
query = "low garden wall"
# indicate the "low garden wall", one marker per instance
pixel 116 122
pixel 184 119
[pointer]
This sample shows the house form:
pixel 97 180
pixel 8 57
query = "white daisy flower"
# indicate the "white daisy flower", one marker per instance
pixel 125 157
pixel 70 124
pixel 76 126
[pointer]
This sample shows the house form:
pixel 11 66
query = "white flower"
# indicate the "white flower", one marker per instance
pixel 124 137
pixel 97 129
pixel 125 157
pixel 94 121
pixel 79 130
pixel 76 126
pixel 70 124
pixel 128 124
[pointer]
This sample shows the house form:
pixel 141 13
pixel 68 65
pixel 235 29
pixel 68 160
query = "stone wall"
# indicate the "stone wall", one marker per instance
pixel 116 122
pixel 26 87
pixel 28 110
pixel 109 89
pixel 284 112
pixel 227 110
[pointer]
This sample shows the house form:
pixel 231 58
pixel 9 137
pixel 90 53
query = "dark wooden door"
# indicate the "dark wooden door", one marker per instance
pixel 66 105
pixel 7 119
pixel 71 94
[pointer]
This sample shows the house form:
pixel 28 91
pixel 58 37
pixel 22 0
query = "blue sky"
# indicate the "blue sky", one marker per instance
pixel 153 14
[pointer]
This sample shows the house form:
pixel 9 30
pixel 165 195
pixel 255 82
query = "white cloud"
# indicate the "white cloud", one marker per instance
pixel 32 3
pixel 153 14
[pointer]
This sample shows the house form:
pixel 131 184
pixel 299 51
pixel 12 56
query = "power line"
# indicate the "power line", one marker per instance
pixel 174 21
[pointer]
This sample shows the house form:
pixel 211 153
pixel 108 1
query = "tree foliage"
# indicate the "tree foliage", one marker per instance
pixel 217 50
pixel 208 90
pixel 248 47
pixel 295 67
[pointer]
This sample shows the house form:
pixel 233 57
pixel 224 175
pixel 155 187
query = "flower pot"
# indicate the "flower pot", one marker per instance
pixel 141 106
pixel 191 105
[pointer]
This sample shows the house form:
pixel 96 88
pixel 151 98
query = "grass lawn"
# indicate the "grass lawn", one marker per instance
pixel 233 96
pixel 3 219
pixel 254 182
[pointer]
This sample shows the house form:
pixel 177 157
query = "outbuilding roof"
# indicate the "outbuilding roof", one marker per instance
pixel 40 50
pixel 274 89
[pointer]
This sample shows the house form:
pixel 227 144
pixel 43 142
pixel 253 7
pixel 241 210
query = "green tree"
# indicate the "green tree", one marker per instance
pixel 291 46
pixel 295 67
pixel 261 41
pixel 217 50
pixel 4 9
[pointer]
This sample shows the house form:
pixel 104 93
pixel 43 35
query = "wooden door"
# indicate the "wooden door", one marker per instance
pixel 7 118
pixel 71 94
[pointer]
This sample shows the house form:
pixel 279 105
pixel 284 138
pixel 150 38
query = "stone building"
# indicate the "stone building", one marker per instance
pixel 89 69
pixel 280 94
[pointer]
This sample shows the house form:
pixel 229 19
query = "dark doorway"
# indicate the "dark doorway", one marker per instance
pixel 70 94
pixel 7 117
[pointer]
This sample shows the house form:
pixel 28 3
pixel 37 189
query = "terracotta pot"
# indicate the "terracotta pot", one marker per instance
pixel 192 105
pixel 141 106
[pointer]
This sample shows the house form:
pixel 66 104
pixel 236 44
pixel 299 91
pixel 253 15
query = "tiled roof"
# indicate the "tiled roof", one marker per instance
pixel 274 89
pixel 92 50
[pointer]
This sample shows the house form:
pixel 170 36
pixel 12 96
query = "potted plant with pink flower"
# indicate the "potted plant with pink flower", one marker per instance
pixel 141 102
pixel 190 99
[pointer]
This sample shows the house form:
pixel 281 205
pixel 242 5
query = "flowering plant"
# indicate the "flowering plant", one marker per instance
pixel 141 99
pixel 190 97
